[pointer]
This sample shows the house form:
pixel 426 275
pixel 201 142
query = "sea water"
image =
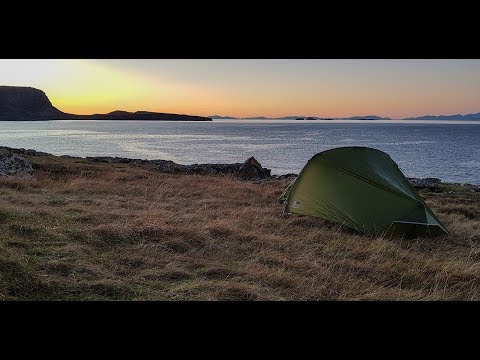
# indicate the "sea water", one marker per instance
pixel 448 150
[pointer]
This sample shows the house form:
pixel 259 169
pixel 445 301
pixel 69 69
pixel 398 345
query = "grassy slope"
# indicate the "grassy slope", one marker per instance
pixel 84 231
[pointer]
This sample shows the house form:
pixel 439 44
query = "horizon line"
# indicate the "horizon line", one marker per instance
pixel 341 117
pixel 360 117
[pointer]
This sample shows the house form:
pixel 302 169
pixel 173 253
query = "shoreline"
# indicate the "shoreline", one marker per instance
pixel 255 171
pixel 266 121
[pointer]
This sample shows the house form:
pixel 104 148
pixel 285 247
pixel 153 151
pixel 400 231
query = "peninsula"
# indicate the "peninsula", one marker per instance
pixel 27 103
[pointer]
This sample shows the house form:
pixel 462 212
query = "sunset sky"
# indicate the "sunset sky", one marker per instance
pixel 254 87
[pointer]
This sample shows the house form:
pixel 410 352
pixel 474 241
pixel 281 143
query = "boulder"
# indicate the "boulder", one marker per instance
pixel 252 170
pixel 15 166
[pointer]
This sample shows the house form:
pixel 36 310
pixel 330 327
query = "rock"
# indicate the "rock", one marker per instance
pixel 13 165
pixel 251 169
pixel 476 188
pixel 419 183
pixel 28 152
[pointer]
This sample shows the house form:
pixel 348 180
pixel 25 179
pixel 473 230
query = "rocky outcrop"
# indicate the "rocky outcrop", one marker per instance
pixel 13 165
pixel 420 183
pixel 22 151
pixel 27 103
pixel 249 170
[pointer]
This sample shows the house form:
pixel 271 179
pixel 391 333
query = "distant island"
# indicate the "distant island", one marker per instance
pixel 365 117
pixel 27 103
pixel 302 117
pixel 447 117
pixel 222 117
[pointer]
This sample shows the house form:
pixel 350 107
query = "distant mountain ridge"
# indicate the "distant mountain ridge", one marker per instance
pixel 473 116
pixel 447 117
pixel 26 103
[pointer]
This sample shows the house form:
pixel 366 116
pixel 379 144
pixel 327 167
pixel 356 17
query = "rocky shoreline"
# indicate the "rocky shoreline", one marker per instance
pixel 248 170
pixel 12 164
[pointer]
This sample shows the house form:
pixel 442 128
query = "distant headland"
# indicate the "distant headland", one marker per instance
pixel 27 103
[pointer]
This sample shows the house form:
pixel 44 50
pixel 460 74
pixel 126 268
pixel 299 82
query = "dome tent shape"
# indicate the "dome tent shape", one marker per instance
pixel 361 188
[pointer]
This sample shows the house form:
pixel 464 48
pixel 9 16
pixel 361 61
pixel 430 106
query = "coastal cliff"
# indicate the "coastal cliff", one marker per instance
pixel 27 103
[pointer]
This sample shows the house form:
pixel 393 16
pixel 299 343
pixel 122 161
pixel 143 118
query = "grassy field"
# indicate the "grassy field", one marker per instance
pixel 96 231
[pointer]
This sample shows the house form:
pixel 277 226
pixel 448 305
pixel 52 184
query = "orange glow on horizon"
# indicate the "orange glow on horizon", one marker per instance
pixel 249 88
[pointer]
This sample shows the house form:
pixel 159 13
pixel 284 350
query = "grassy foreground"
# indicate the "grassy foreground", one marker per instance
pixel 96 231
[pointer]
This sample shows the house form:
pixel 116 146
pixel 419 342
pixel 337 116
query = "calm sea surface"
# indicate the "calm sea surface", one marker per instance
pixel 448 150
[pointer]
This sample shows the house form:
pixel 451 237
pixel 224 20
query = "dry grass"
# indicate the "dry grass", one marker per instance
pixel 86 231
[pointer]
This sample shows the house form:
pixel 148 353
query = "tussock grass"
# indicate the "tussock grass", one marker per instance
pixel 94 231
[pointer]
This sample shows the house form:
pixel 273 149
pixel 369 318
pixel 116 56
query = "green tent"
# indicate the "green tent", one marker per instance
pixel 361 188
